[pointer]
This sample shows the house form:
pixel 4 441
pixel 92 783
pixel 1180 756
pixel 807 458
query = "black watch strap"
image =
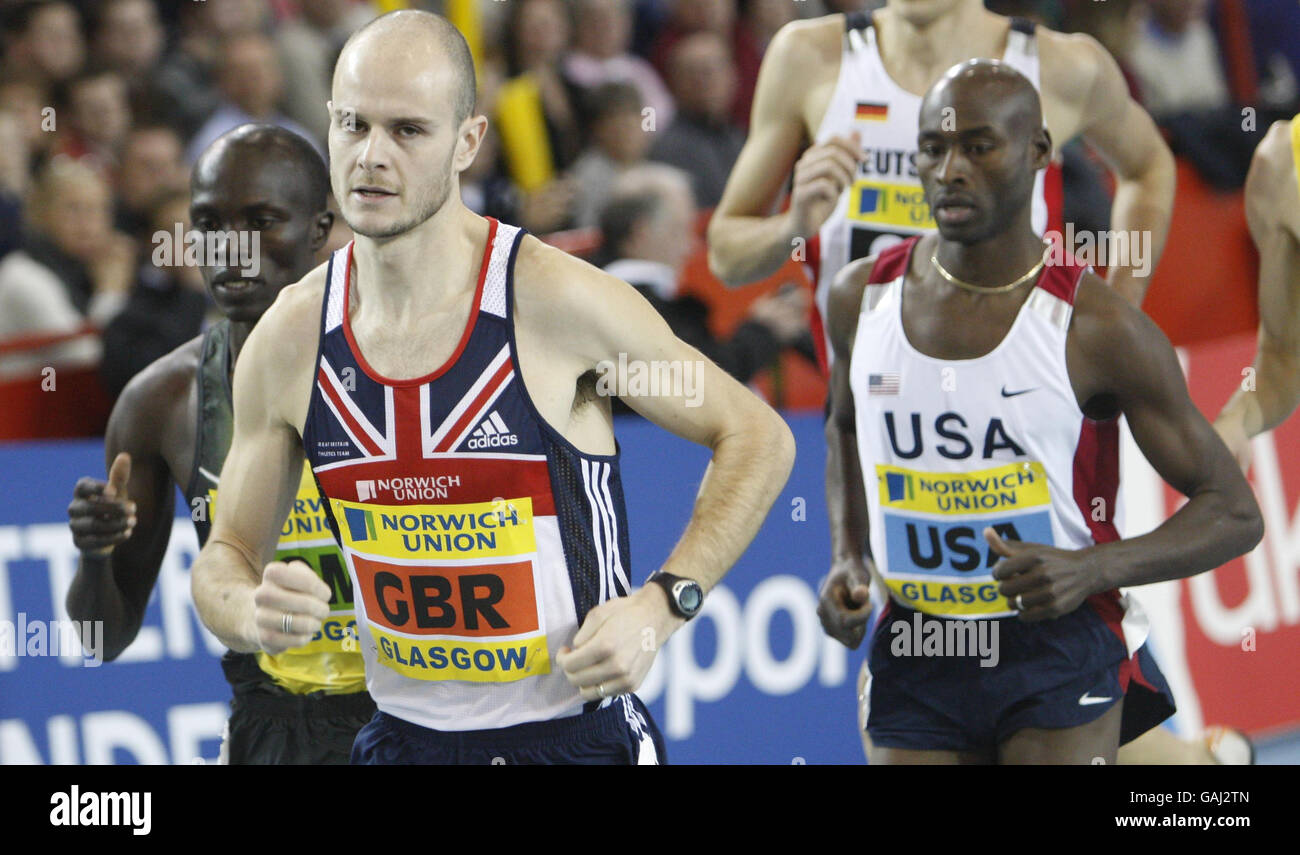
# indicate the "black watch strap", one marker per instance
pixel 685 596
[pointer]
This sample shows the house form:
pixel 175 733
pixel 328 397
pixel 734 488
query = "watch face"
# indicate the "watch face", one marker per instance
pixel 689 596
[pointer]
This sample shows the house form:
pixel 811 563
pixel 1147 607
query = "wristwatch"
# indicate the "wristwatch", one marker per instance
pixel 684 595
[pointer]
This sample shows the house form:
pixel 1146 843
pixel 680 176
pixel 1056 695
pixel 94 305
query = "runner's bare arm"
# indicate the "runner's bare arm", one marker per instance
pixel 845 598
pixel 747 241
pixel 1130 360
pixel 258 481
pixel 1083 72
pixel 114 587
pixel 1273 214
pixel 1120 362
pixel 753 451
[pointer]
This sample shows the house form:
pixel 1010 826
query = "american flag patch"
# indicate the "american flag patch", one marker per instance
pixel 882 384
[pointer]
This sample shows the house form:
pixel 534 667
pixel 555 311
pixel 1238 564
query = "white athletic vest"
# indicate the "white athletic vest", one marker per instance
pixel 886 202
pixel 476 536
pixel 949 447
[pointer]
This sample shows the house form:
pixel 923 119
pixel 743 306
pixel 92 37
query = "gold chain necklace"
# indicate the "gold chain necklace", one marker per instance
pixel 980 289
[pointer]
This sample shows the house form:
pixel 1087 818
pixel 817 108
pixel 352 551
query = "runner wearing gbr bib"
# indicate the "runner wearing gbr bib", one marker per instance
pixel 443 375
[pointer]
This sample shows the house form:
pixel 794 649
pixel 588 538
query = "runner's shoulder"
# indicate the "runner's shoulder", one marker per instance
pixel 153 400
pixel 845 299
pixel 1107 328
pixel 1274 158
pixel 565 299
pixel 807 47
pixel 298 306
pixel 288 332
pixel 1070 64
pixel 545 276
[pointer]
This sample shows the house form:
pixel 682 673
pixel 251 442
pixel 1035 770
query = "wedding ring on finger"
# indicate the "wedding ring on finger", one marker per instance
pixel 287 624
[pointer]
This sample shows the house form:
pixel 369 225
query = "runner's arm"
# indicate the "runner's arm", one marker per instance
pixel 746 240
pixel 1127 139
pixel 114 587
pixel 607 323
pixel 1134 365
pixel 846 501
pixel 844 604
pixel 753 449
pixel 258 482
pixel 1273 215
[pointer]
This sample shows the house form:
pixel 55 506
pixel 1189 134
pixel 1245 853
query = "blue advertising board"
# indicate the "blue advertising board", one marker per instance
pixel 752 680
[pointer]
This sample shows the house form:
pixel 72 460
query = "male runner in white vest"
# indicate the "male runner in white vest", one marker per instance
pixel 977 392
pixel 442 375
pixel 828 80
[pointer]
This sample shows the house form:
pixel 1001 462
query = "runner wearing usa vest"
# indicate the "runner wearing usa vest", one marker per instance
pixel 836 105
pixel 885 203
pixel 443 378
pixel 974 464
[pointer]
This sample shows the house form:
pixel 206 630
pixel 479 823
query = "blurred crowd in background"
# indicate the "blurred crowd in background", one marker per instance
pixel 105 104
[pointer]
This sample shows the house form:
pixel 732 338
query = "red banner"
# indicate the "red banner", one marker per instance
pixel 1236 657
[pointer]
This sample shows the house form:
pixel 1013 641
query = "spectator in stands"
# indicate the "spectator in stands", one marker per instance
pixel 42 42
pixel 151 166
pixel 763 18
pixel 186 87
pixel 127 37
pixel 617 142
pixel 250 83
pixel 648 229
pixel 308 45
pixel 688 17
pixel 165 309
pixel 72 269
pixel 14 180
pixel 26 102
pixel 1176 59
pixel 701 140
pixel 487 190
pixel 600 55
pixel 1181 80
pixel 1275 38
pixel 538 34
pixel 95 118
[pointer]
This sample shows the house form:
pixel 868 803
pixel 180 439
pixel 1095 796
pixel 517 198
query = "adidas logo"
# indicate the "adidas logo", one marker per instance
pixel 492 433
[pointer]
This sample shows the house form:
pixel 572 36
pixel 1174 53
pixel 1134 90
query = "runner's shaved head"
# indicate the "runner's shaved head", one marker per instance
pixel 990 81
pixel 260 143
pixel 408 41
pixel 980 145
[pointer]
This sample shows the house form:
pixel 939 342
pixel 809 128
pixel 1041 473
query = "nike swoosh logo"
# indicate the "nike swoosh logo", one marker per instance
pixel 1007 394
pixel 1086 700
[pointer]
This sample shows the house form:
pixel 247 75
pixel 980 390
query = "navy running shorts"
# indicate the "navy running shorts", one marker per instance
pixel 620 734
pixel 1051 674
